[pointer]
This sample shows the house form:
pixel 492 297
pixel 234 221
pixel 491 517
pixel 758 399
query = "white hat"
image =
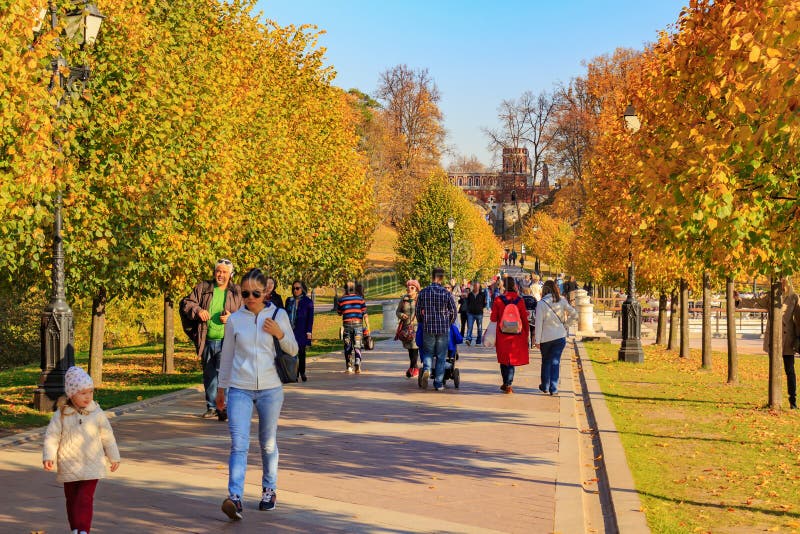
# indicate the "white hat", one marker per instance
pixel 76 380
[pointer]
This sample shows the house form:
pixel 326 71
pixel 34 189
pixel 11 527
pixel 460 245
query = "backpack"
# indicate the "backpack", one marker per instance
pixel 510 322
pixel 189 325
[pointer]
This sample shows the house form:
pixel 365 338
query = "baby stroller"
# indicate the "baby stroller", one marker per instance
pixel 451 372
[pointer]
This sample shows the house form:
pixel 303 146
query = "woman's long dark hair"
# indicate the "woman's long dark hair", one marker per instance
pixel 255 275
pixel 510 283
pixel 551 288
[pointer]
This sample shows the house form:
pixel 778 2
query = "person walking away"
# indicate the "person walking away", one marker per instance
pixel 530 306
pixel 405 314
pixel 463 291
pixel 536 287
pixel 476 302
pixel 248 373
pixel 551 333
pixel 211 303
pixel 436 311
pixel 353 309
pixel 512 333
pixel 569 286
pixel 272 296
pixel 790 313
pixel 300 309
pixel 513 257
pixel 77 443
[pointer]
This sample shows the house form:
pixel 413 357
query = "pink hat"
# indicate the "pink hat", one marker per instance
pixel 413 283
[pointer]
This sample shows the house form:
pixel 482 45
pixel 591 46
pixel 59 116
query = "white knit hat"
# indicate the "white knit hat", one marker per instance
pixel 76 380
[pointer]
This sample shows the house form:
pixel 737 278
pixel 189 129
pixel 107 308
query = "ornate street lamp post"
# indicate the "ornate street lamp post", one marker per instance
pixel 56 328
pixel 631 348
pixel 451 224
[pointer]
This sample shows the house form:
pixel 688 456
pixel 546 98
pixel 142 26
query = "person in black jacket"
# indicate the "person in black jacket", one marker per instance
pixel 530 305
pixel 476 302
pixel 272 296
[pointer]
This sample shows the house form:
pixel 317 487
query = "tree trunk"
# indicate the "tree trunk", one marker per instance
pixel 661 333
pixel 775 341
pixel 168 359
pixel 706 320
pixel 730 313
pixel 684 319
pixel 674 317
pixel 96 337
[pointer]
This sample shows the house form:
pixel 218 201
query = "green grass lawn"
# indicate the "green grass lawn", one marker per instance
pixel 134 373
pixel 706 456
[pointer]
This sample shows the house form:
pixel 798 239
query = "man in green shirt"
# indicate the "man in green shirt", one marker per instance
pixel 210 304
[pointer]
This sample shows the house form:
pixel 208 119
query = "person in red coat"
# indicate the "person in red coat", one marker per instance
pixel 512 349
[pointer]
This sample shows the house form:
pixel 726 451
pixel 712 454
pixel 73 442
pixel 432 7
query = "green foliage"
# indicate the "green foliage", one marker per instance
pixel 201 134
pixel 424 243
pixel 19 330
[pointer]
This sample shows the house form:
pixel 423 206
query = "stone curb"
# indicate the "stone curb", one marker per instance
pixel 37 433
pixel 625 503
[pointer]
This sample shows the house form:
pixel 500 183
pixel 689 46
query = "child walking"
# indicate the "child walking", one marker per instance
pixel 78 441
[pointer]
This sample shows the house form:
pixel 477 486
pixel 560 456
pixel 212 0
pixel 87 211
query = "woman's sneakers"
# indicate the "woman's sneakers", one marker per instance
pixel 268 498
pixel 232 506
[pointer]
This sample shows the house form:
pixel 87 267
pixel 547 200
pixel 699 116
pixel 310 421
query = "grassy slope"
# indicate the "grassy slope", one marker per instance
pixel 706 456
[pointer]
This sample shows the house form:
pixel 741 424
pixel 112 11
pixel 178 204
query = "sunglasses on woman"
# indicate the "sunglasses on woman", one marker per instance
pixel 246 294
pixel 296 288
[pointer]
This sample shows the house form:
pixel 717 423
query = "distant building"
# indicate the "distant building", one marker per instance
pixel 508 194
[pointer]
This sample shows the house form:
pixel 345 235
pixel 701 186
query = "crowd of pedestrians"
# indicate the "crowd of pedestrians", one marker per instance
pixel 239 329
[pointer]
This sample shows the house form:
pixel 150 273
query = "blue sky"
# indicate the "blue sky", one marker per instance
pixel 478 52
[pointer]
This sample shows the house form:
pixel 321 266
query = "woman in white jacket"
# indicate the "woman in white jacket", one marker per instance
pixel 247 370
pixel 552 315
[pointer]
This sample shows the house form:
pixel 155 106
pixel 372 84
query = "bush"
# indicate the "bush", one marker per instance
pixel 20 310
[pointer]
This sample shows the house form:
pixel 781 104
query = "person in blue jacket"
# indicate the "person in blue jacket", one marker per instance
pixel 301 314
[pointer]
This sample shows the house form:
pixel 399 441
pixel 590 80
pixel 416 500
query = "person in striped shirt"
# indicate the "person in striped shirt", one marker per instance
pixel 353 309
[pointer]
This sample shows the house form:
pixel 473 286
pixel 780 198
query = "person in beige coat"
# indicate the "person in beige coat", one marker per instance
pixel 790 337
pixel 78 442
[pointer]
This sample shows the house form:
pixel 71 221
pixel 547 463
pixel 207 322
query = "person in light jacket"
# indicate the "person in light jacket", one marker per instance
pixel 553 313
pixel 248 372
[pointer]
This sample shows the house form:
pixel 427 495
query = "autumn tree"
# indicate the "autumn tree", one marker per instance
pixel 410 100
pixel 167 169
pixel 423 240
pixel 469 164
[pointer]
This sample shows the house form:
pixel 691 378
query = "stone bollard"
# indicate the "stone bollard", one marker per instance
pixel 585 311
pixel 389 316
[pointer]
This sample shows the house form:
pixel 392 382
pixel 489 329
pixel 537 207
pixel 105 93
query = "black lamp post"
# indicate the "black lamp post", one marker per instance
pixel 631 348
pixel 56 328
pixel 451 224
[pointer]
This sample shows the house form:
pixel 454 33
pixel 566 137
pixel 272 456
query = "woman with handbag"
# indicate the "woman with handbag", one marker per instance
pixel 300 309
pixel 406 327
pixel 511 345
pixel 248 371
pixel 551 333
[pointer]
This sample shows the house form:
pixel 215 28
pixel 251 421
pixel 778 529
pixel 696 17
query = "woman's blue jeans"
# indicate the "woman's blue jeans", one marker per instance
pixel 507 372
pixel 551 363
pixel 268 403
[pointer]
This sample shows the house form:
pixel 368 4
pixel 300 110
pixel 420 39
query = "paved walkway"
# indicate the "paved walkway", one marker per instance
pixel 366 453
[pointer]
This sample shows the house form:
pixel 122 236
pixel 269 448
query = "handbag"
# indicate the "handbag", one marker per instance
pixel 490 335
pixel 285 364
pixel 405 332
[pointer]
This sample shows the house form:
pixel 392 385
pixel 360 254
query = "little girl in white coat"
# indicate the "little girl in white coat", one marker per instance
pixel 78 441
